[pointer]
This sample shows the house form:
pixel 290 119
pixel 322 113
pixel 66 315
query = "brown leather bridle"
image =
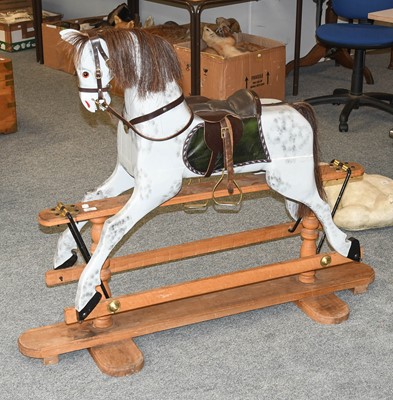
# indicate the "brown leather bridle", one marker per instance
pixel 104 106
pixel 97 48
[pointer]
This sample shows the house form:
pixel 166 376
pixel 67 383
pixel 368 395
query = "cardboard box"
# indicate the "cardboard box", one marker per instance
pixel 7 97
pixel 262 71
pixel 17 36
pixel 54 49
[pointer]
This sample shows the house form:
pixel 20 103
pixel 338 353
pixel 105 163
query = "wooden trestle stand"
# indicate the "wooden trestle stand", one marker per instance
pixel 310 281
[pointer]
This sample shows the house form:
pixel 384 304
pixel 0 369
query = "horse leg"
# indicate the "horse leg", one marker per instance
pixel 348 247
pixel 292 208
pixel 120 181
pixel 147 195
pixel 297 182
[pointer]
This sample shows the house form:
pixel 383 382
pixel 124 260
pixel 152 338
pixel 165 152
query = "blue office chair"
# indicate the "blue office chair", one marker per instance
pixel 361 35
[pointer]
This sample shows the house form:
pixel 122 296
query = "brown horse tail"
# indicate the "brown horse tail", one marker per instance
pixel 307 111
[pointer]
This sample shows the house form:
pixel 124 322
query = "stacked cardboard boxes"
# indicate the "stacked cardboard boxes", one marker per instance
pixel 16 25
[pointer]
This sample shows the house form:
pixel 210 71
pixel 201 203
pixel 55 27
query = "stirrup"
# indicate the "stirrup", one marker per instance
pixel 195 207
pixel 228 206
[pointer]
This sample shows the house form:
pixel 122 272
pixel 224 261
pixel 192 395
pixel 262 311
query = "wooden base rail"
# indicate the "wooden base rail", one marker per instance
pixel 210 285
pixel 309 281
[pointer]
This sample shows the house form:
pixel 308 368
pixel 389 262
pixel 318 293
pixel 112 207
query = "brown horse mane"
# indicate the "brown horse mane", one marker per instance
pixel 157 60
pixel 307 111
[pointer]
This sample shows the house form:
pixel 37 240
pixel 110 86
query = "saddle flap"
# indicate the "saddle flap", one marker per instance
pixel 213 136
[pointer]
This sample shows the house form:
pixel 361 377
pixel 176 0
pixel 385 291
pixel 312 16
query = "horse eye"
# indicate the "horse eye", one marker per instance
pixel 85 74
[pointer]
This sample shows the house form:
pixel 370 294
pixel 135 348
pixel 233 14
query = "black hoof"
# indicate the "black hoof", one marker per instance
pixel 354 251
pixel 89 307
pixel 70 262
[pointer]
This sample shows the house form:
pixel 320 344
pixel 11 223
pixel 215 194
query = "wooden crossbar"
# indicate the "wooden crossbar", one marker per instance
pixel 178 252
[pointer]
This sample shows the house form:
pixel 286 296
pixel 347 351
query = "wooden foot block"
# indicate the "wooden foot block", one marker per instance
pixel 51 360
pixel 328 309
pixel 118 358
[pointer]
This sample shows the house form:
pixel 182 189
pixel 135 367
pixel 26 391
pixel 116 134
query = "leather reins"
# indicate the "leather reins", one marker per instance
pixel 104 106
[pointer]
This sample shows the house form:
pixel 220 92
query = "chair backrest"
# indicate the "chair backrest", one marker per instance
pixel 358 9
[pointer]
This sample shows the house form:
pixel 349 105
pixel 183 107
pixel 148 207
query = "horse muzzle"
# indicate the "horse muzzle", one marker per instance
pixel 100 99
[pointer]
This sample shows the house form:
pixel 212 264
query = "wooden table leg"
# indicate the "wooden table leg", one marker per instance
pixel 37 21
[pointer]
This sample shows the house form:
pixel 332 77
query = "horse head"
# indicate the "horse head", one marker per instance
pixel 91 63
pixel 139 60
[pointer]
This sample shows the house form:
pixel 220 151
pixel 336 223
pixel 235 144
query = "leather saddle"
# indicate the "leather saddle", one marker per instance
pixel 224 122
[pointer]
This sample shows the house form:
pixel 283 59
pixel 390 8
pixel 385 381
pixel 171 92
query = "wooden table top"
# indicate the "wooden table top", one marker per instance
pixel 384 15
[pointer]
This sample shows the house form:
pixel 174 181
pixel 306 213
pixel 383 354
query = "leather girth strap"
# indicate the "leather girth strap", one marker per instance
pixel 227 143
pixel 218 126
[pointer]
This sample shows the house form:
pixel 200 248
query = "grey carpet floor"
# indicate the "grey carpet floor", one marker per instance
pixel 60 151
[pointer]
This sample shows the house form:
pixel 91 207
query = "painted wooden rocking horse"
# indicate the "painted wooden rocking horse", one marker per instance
pixel 161 140
pixel 161 123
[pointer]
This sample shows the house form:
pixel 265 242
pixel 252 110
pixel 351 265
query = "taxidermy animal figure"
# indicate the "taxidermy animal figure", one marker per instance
pixel 170 31
pixel 226 26
pixel 226 46
pixel 175 33
pixel 121 13
pixel 155 151
pixel 120 24
pixel 149 21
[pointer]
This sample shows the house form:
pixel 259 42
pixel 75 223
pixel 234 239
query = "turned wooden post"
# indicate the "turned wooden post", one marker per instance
pixel 117 358
pixel 309 235
pixel 96 229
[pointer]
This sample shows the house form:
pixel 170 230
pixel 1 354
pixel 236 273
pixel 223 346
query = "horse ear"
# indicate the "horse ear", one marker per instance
pixel 68 35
